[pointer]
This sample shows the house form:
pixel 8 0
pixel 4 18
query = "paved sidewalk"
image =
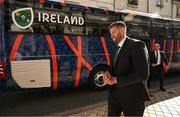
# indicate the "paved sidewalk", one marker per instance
pixel 162 104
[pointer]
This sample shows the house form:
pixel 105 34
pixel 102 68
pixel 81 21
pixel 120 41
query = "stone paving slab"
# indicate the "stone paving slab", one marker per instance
pixel 162 104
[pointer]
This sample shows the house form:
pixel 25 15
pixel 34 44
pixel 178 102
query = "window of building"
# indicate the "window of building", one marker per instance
pixel 178 11
pixel 132 2
pixel 159 3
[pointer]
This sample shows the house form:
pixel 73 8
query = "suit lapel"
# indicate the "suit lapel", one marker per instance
pixel 162 56
pixel 112 57
pixel 153 56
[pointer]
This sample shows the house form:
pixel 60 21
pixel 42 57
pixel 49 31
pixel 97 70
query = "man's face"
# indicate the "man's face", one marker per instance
pixel 157 47
pixel 117 34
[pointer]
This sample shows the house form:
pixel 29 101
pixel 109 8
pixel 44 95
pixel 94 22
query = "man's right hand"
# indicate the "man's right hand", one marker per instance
pixel 108 79
pixel 153 65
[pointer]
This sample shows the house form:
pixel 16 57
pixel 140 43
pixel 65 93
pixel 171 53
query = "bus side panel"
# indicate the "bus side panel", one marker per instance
pixel 66 60
pixel 94 52
pixel 77 55
pixel 176 56
pixel 29 47
pixel 70 50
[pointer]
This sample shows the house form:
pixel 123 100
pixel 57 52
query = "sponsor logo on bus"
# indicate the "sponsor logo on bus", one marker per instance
pixel 24 17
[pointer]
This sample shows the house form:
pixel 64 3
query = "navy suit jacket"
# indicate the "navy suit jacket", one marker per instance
pixel 131 70
pixel 154 60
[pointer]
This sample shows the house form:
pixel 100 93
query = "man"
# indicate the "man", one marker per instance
pixel 128 74
pixel 157 59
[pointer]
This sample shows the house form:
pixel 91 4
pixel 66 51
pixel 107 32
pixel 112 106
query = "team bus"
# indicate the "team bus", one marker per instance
pixel 53 45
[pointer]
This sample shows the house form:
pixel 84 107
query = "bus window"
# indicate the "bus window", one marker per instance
pixel 92 29
pixel 161 29
pixel 97 21
pixel 47 5
pixel 73 30
pixel 137 27
pixel 57 6
pixel 97 17
pixel 176 30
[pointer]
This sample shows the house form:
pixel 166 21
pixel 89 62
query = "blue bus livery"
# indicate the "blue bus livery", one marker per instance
pixel 45 44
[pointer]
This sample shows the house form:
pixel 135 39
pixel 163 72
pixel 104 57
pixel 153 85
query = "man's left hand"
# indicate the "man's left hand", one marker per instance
pixel 108 79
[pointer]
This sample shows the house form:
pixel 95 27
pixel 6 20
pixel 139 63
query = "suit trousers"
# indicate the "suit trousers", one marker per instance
pixel 157 71
pixel 116 106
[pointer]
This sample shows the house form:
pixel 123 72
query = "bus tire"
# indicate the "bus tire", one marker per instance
pixel 96 77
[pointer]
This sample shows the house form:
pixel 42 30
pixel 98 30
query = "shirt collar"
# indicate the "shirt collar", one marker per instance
pixel 120 44
pixel 156 50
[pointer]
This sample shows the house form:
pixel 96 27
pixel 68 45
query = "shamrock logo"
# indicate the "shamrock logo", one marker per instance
pixel 23 18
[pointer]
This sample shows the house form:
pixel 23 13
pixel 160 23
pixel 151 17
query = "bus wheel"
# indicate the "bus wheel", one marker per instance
pixel 96 77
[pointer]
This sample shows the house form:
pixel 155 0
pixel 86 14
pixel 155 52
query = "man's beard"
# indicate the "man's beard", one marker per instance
pixel 116 41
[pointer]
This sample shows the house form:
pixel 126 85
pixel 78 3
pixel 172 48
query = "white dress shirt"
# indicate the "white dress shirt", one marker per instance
pixel 159 57
pixel 157 54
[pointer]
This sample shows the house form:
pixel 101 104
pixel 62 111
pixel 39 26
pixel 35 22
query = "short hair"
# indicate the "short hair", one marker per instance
pixel 117 24
pixel 156 44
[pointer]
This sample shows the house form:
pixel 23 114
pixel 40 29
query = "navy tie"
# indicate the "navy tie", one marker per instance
pixel 116 54
pixel 156 56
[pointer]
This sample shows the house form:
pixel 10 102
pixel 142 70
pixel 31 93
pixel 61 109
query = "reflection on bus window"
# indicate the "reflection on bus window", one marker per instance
pixel 161 29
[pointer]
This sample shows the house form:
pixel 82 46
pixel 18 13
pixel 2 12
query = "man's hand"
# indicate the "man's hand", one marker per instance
pixel 166 68
pixel 108 79
pixel 153 65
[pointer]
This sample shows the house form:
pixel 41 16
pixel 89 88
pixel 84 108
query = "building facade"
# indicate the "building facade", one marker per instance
pixel 164 8
pixel 176 9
